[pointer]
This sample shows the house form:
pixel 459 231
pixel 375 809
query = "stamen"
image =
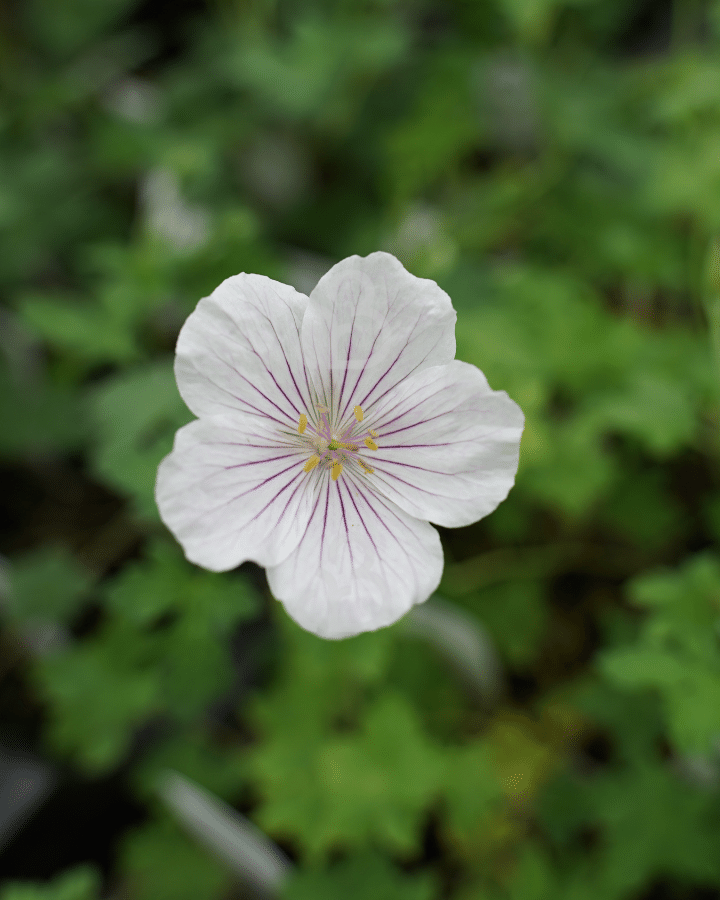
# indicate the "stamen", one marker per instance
pixel 332 450
pixel 311 463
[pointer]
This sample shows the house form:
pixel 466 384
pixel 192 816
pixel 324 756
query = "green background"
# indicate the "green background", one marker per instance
pixel 555 166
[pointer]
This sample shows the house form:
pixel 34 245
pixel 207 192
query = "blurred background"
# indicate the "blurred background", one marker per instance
pixel 547 725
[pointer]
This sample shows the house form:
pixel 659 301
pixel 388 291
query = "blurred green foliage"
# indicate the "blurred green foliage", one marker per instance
pixel 555 166
pixel 81 883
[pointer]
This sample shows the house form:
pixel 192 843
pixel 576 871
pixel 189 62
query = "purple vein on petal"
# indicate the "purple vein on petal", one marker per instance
pixel 387 434
pixel 387 372
pixel 347 535
pixel 222 469
pixel 383 423
pixel 362 520
pixel 290 372
pixel 264 365
pixel 287 503
pixel 258 462
pixel 264 396
pixel 401 524
pixel 384 475
pixel 250 491
pixel 383 523
pixel 364 366
pixel 245 402
pixel 347 363
pixel 403 465
pixel 325 518
pixel 407 374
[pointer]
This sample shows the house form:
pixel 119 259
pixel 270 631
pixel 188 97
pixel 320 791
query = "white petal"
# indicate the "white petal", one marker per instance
pixel 369 323
pixel 240 350
pixel 448 445
pixel 233 490
pixel 361 565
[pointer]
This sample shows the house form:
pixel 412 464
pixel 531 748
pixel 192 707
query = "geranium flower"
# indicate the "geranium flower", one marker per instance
pixel 331 430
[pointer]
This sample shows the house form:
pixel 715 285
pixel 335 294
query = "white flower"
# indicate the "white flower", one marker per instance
pixel 331 429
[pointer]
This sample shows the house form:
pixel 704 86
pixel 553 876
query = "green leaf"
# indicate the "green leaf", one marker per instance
pixel 135 416
pixel 652 406
pixel 81 883
pixel 643 667
pixel 321 682
pixel 637 841
pixel 98 695
pixel 711 297
pixel 572 471
pixel 46 417
pixel 204 607
pixel 313 72
pixel 363 876
pixel 471 791
pixel 374 785
pixel 79 326
pixel 48 584
pixel 676 651
pixel 641 840
pixel 444 126
pixel 516 614
pixel 77 22
pixel 642 509
pixel 195 754
pixel 534 877
pixel 161 863
pixel 163 613
pixel 187 690
pixel 164 581
pixel 532 19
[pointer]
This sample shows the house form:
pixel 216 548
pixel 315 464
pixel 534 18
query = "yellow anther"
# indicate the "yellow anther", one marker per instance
pixel 358 414
pixel 303 423
pixel 311 463
pixel 336 470
pixel 371 444
pixel 353 447
pixel 366 467
pixel 373 433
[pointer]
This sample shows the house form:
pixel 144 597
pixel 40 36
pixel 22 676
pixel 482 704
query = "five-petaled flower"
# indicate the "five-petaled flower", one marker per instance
pixel 331 430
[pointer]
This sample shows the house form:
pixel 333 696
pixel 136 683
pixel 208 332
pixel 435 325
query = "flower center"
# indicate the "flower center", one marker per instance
pixel 333 450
